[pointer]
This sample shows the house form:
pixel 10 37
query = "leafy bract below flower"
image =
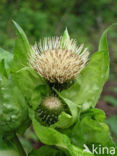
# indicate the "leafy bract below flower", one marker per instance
pixel 58 60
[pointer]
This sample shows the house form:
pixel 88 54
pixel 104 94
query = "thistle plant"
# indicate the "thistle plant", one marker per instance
pixel 53 86
pixel 58 60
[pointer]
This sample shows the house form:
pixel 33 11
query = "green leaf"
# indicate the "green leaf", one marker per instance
pixel 7 57
pixel 86 90
pixel 24 76
pixel 27 80
pixel 88 86
pixel 22 49
pixel 38 94
pixel 13 108
pixel 7 148
pixel 112 121
pixel 91 129
pixel 2 69
pixel 46 151
pixel 103 45
pixel 50 136
pixel 66 120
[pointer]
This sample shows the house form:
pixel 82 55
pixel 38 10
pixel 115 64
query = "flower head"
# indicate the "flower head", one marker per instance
pixel 49 110
pixel 58 61
pixel 52 103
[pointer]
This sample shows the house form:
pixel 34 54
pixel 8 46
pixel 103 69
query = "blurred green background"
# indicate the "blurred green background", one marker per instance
pixel 85 20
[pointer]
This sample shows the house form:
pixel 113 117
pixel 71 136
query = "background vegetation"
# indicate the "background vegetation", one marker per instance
pixel 85 20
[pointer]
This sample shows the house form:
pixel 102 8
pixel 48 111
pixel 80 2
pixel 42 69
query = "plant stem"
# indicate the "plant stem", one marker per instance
pixel 19 146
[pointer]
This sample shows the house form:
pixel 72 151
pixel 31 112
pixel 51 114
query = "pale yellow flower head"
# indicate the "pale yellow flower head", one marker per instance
pixel 58 60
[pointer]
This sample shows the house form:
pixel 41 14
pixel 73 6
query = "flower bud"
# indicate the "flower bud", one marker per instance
pixel 49 110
